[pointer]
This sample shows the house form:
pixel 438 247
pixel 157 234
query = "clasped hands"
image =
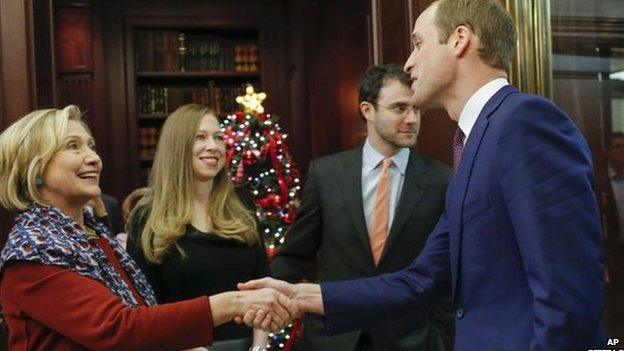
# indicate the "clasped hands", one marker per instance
pixel 272 304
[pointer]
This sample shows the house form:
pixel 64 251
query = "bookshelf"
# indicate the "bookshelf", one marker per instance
pixel 118 24
pixel 174 66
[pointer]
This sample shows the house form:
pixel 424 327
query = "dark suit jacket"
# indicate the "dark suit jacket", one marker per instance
pixel 331 222
pixel 115 221
pixel 519 243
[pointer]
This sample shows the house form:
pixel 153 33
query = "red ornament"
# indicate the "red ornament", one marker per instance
pixel 240 173
pixel 240 117
pixel 271 251
pixel 248 158
pixel 277 201
pixel 287 218
pixel 264 149
pixel 264 202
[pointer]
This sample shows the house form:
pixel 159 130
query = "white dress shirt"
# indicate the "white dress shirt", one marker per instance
pixel 371 170
pixel 475 104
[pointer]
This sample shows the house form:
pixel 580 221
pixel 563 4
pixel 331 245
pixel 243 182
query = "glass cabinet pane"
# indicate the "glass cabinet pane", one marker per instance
pixel 588 83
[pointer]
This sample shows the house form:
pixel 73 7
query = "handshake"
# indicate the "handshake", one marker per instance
pixel 267 303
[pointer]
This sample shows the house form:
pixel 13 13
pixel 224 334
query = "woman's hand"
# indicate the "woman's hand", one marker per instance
pixel 271 309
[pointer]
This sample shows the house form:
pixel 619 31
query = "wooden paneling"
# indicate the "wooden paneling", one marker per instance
pixel 43 53
pixel 352 64
pixel 16 72
pixel 326 60
pixel 436 133
pixel 73 39
pixel 80 70
pixel 394 25
pixel 299 91
pixel 16 59
pixel 74 57
pixel 77 89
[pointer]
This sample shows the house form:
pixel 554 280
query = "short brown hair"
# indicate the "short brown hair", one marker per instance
pixel 376 78
pixel 488 19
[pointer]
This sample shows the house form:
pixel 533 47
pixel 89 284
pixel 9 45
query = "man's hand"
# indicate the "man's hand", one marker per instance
pixel 279 285
pixel 273 310
pixel 306 297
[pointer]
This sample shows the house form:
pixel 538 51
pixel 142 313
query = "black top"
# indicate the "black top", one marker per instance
pixel 213 265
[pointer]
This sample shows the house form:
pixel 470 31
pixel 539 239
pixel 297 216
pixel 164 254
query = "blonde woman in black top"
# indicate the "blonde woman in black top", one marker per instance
pixel 191 234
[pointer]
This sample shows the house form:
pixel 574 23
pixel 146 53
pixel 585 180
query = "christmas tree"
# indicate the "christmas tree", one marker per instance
pixel 260 161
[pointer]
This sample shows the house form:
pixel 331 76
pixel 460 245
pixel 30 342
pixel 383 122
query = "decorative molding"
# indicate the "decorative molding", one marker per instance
pixel 72 3
pixel 584 35
pixel 375 32
pixel 531 70
pixel 590 75
pixel 588 26
pixel 411 19
pixel 72 30
pixel 77 89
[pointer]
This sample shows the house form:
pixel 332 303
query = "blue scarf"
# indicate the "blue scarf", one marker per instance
pixel 47 236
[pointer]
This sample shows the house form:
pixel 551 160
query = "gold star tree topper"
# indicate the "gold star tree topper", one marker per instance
pixel 251 101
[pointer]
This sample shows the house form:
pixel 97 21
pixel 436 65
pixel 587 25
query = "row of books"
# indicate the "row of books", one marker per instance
pixel 162 100
pixel 148 139
pixel 171 50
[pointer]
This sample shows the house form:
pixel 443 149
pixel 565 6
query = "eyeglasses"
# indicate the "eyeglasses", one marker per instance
pixel 400 109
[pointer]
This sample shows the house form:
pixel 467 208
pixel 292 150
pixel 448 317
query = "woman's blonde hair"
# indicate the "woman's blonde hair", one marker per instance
pixel 172 191
pixel 26 147
pixel 131 201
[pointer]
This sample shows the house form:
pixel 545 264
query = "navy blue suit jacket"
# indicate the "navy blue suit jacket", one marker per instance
pixel 519 243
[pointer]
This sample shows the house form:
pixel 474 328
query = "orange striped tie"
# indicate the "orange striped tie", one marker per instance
pixel 379 232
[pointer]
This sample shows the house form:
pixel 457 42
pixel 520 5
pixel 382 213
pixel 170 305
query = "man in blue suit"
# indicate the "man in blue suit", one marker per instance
pixel 519 244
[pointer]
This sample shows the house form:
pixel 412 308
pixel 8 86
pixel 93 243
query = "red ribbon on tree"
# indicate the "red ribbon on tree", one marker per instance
pixel 240 117
pixel 281 183
pixel 262 116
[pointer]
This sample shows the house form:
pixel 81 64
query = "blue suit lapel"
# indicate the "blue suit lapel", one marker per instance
pixel 459 184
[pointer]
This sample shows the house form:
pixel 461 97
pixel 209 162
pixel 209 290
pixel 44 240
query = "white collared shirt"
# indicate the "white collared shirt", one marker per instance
pixel 475 104
pixel 371 170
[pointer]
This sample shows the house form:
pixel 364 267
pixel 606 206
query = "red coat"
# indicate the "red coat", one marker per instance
pixel 55 309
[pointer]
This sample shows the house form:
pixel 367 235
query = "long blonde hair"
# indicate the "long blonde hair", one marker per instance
pixel 172 191
pixel 26 147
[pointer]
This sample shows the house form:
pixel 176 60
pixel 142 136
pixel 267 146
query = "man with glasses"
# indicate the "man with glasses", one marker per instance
pixel 368 211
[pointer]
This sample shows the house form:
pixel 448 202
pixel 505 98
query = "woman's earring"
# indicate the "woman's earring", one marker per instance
pixel 39 181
